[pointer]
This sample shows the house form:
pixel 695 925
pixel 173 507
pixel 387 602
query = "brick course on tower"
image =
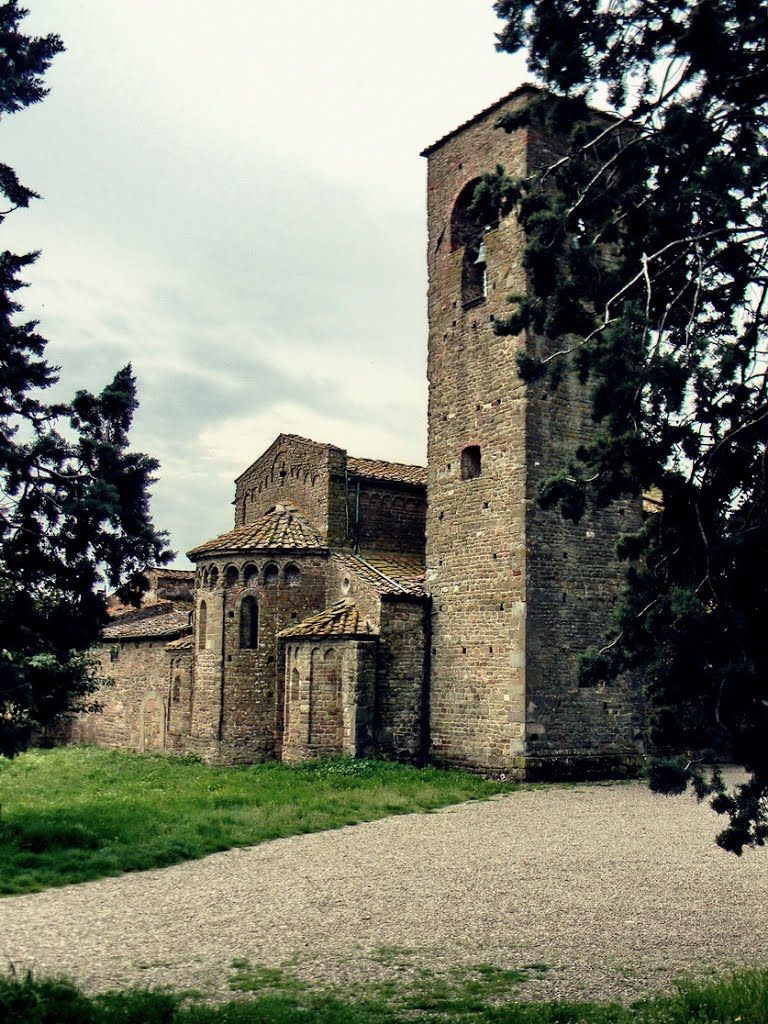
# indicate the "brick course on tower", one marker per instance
pixel 517 593
pixel 313 627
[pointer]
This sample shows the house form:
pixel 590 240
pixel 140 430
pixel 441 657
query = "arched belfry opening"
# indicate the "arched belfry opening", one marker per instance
pixel 470 223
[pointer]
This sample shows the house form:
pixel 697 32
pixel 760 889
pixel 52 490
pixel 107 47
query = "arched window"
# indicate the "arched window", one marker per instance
pixel 292 575
pixel 471 220
pixel 213 579
pixel 230 576
pixel 250 575
pixel 271 574
pixel 202 626
pixel 249 623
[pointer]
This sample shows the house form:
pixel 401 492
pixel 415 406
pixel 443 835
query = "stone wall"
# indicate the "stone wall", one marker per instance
pixel 387 517
pixel 305 474
pixel 574 578
pixel 135 705
pixel 238 675
pixel 181 698
pixel 175 585
pixel 574 581
pixel 342 582
pixel 476 523
pixel 400 722
pixel 329 700
pixel 517 593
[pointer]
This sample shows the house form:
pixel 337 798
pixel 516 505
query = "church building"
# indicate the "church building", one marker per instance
pixel 368 608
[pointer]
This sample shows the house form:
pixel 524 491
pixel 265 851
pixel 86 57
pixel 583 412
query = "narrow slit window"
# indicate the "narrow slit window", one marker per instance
pixel 471 463
pixel 294 685
pixel 249 623
pixel 202 626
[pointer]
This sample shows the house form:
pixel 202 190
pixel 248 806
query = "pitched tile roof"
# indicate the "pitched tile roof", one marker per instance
pixel 653 500
pixel 172 574
pixel 388 574
pixel 169 624
pixel 280 529
pixel 342 619
pixel 519 92
pixel 395 472
pixel 184 643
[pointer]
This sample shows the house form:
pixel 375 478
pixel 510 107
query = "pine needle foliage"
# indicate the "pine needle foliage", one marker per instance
pixel 74 512
pixel 647 260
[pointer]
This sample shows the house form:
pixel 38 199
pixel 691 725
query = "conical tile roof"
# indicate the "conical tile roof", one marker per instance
pixel 281 529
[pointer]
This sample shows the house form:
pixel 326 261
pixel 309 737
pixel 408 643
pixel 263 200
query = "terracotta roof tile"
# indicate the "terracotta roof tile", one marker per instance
pixel 173 574
pixel 184 643
pixel 515 94
pixel 280 529
pixel 388 574
pixel 653 500
pixel 342 619
pixel 169 624
pixel 129 612
pixel 395 472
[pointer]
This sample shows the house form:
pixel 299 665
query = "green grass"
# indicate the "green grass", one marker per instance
pixel 79 813
pixel 454 992
pixel 272 999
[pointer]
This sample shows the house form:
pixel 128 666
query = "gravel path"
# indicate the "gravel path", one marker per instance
pixel 616 890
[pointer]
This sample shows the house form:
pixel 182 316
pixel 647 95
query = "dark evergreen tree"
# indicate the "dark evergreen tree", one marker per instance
pixel 74 514
pixel 647 257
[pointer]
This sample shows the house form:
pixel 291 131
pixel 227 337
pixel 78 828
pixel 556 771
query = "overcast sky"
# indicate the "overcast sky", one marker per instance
pixel 234 201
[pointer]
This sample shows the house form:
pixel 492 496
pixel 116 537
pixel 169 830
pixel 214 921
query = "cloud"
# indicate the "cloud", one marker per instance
pixel 234 203
pixel 236 441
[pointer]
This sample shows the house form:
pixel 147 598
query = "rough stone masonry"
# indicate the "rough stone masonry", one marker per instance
pixel 369 608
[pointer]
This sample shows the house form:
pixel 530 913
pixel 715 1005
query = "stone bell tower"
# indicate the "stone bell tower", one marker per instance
pixel 517 593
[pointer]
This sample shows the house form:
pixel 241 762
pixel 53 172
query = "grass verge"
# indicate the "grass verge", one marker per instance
pixel 740 998
pixel 79 813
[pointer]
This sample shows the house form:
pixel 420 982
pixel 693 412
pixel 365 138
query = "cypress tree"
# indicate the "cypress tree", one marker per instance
pixel 647 259
pixel 74 507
